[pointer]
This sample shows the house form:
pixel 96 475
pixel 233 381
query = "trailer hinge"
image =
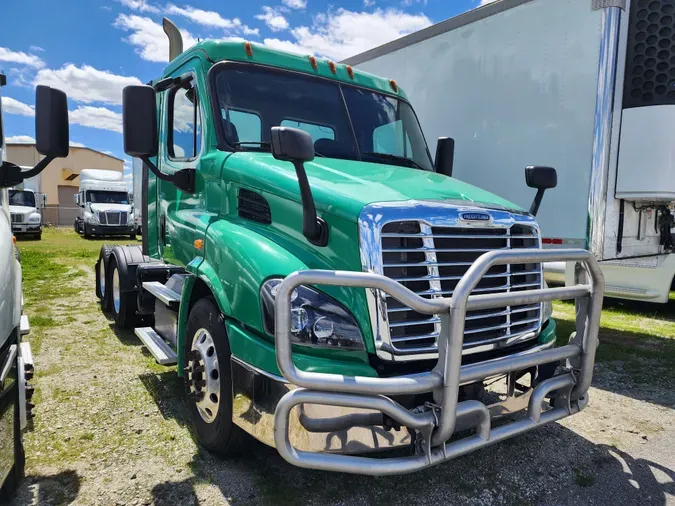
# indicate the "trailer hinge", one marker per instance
pixel 596 5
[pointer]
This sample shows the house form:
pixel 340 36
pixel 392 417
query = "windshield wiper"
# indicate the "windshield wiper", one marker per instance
pixel 395 158
pixel 259 144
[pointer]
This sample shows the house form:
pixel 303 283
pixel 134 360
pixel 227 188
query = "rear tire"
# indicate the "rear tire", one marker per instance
pixel 122 304
pixel 18 470
pixel 101 276
pixel 212 421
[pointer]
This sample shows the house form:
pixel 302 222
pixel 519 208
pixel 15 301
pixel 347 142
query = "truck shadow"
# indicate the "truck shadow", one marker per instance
pixel 553 465
pixel 61 489
pixel 166 390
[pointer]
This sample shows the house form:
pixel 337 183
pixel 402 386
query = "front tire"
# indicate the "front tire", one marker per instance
pixel 101 277
pixel 208 381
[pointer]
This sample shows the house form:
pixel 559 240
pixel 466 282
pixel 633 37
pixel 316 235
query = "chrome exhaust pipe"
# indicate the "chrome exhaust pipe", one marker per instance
pixel 175 38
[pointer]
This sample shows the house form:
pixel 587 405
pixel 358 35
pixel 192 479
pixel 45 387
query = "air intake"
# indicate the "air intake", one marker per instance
pixel 253 206
pixel 650 54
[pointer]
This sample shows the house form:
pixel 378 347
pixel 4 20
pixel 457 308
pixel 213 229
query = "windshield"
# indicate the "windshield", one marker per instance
pixel 344 121
pixel 21 198
pixel 107 197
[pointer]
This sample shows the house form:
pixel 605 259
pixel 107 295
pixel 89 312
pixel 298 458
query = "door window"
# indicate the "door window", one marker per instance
pixel 184 130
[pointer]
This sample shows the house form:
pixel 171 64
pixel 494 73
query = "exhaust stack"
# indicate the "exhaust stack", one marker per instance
pixel 175 38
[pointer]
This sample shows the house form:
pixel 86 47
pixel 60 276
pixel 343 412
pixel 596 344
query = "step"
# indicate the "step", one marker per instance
pixel 157 347
pixel 24 326
pixel 162 293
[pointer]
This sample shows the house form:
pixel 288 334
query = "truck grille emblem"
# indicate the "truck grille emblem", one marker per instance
pixel 473 216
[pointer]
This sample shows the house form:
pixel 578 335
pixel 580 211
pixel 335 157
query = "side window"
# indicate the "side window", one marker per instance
pixel 244 126
pixel 391 139
pixel 184 140
pixel 316 131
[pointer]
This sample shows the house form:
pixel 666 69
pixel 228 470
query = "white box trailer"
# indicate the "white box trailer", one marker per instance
pixel 585 86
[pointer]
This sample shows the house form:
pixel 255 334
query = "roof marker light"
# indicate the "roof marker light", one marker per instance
pixel 332 67
pixel 350 71
pixel 393 85
pixel 248 48
pixel 312 60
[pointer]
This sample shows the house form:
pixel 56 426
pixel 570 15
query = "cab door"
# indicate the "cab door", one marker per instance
pixel 181 147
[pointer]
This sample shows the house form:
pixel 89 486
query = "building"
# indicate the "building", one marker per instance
pixel 60 180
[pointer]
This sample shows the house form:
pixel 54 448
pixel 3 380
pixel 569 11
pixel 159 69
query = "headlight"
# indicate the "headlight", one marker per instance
pixel 316 319
pixel 34 218
pixel 547 309
pixel 91 217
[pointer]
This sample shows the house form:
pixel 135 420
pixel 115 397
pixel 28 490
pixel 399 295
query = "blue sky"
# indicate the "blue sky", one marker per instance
pixel 92 49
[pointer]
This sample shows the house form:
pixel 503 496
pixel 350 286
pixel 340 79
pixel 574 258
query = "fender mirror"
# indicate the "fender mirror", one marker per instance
pixel 445 155
pixel 541 178
pixel 296 146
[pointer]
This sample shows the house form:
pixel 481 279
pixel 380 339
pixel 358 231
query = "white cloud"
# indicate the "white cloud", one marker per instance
pixel 139 5
pixel 211 19
pixel 20 57
pixel 96 117
pixel 149 38
pixel 74 144
pixel 368 3
pixel 273 19
pixel 20 139
pixel 295 4
pixel 485 2
pixel 86 84
pixel 13 106
pixel 36 49
pixel 345 33
pixel 107 152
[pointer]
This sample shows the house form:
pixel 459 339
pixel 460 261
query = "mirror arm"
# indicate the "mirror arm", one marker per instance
pixel 183 179
pixel 313 227
pixel 12 175
pixel 534 208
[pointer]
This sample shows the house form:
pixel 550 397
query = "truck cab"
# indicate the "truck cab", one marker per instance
pixel 105 205
pixel 24 205
pixel 302 248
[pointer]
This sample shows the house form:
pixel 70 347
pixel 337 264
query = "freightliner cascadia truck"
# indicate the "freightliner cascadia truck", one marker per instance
pixel 16 358
pixel 586 85
pixel 319 280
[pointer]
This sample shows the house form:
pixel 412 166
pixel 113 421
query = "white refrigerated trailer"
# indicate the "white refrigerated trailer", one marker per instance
pixel 585 86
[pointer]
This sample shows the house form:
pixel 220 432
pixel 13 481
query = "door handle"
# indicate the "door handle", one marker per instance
pixel 162 229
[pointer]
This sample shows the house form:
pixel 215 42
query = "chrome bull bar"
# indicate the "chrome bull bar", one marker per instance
pixel 435 426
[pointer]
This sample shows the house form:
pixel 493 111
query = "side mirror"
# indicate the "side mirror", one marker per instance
pixel 445 155
pixel 296 146
pixel 51 122
pixel 76 198
pixel 51 135
pixel 292 145
pixel 139 110
pixel 541 178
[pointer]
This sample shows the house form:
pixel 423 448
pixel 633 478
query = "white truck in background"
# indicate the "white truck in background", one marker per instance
pixel 24 207
pixel 587 86
pixel 105 206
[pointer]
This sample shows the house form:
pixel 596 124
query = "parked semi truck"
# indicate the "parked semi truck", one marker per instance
pixel 105 206
pixel 301 248
pixel 24 209
pixel 16 358
pixel 583 85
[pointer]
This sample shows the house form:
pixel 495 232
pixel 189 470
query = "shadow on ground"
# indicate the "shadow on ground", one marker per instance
pixel 59 489
pixel 166 389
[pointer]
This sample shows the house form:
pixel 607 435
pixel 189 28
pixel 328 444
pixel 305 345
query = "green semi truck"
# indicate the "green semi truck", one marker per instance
pixel 321 282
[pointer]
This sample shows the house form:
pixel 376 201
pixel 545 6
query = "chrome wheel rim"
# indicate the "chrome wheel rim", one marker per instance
pixel 116 290
pixel 205 376
pixel 101 277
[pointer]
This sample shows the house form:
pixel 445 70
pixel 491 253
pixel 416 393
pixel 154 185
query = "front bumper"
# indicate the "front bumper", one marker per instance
pixel 432 424
pixel 109 229
pixel 26 228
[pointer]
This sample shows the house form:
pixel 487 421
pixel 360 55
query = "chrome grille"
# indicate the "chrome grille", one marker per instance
pixel 112 217
pixel 102 218
pixel 17 218
pixel 430 260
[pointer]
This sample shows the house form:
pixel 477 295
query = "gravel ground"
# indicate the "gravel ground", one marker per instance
pixel 111 429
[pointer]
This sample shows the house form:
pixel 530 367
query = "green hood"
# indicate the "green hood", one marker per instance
pixel 344 187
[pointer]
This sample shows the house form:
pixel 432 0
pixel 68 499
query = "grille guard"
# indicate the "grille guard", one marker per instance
pixel 435 427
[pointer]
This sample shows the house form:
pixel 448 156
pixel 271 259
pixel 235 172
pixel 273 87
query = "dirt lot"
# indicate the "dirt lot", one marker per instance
pixel 111 428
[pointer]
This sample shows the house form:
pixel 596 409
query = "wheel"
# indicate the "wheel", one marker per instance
pixel 122 304
pixel 18 470
pixel 132 237
pixel 85 231
pixel 208 382
pixel 38 236
pixel 101 293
